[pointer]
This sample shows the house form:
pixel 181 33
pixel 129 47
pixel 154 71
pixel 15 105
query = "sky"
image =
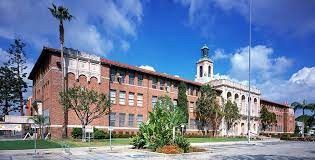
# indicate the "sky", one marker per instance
pixel 166 35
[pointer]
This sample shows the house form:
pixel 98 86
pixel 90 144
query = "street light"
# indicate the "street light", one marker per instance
pixel 249 50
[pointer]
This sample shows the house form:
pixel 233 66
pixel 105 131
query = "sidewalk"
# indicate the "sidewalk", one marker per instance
pixel 236 142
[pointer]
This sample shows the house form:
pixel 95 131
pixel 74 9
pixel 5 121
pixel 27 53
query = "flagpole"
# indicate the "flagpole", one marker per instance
pixel 249 50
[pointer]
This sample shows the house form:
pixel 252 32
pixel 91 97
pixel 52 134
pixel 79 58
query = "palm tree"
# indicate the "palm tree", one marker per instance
pixel 304 106
pixel 61 14
pixel 40 121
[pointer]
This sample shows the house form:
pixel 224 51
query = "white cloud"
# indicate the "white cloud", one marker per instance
pixel 222 76
pixel 304 76
pixel 220 54
pixel 3 56
pixel 263 65
pixel 147 67
pixel 97 26
pixel 299 87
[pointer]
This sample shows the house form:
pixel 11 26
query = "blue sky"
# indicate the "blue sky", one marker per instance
pixel 167 35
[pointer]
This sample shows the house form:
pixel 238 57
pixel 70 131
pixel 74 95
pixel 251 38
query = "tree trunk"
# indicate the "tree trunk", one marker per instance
pixel 65 111
pixel 303 124
pixel 83 133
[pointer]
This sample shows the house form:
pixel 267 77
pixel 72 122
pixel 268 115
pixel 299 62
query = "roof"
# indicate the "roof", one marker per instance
pixel 47 50
pixel 275 103
pixel 42 56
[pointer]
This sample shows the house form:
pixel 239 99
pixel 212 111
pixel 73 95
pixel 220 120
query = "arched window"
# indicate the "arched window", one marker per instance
pixel 229 96
pixel 209 71
pixel 200 71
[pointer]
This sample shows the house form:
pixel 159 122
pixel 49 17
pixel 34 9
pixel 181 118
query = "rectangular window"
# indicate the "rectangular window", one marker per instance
pixel 162 84
pixel 175 86
pixel 139 100
pixel 112 75
pixel 192 124
pixel 168 86
pixel 191 91
pixel 139 119
pixel 121 76
pixel 122 119
pixel 112 119
pixel 191 106
pixel 122 97
pixel 131 78
pixel 113 96
pixel 131 120
pixel 175 103
pixel 140 79
pixel 154 100
pixel 154 83
pixel 131 99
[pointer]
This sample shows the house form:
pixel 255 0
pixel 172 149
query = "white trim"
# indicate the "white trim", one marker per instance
pixel 52 68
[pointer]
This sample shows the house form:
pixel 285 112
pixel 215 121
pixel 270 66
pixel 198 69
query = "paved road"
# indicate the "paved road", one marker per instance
pixel 264 150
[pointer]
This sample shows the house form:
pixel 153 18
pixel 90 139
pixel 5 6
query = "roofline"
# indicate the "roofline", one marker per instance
pixel 126 66
pixel 110 62
pixel 282 105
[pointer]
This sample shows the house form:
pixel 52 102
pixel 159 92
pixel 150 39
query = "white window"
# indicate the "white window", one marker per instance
pixel 191 106
pixel 122 97
pixel 175 103
pixel 139 100
pixel 113 96
pixel 131 99
pixel 139 119
pixel 154 100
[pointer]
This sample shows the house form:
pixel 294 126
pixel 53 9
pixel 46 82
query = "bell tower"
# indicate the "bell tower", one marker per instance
pixel 204 67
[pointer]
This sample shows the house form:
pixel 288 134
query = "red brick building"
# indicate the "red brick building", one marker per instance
pixel 133 90
pixel 285 117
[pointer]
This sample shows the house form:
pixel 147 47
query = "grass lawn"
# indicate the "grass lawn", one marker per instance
pixel 41 144
pixel 29 144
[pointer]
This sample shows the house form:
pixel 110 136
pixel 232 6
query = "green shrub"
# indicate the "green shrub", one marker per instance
pixel 76 133
pixel 137 141
pixel 182 143
pixel 99 134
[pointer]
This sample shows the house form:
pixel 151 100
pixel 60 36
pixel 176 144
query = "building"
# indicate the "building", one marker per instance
pixel 285 117
pixel 133 91
pixel 235 92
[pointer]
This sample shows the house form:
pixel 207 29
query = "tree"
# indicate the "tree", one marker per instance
pixel 267 118
pixel 87 104
pixel 208 110
pixel 309 121
pixel 8 93
pixel 17 64
pixel 40 121
pixel 62 14
pixel 182 101
pixel 231 114
pixel 304 106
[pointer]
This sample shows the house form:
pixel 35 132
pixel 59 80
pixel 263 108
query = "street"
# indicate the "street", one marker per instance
pixel 255 150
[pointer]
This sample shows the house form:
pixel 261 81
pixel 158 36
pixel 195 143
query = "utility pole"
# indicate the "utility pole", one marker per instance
pixel 249 50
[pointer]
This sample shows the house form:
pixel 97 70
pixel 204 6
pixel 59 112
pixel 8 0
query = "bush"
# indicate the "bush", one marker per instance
pixel 137 141
pixel 182 143
pixel 76 133
pixel 99 134
pixel 170 149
